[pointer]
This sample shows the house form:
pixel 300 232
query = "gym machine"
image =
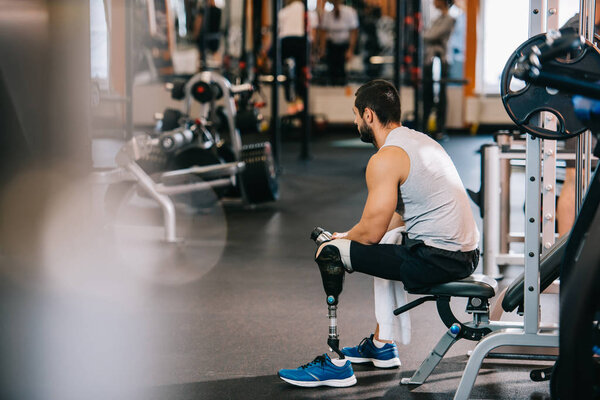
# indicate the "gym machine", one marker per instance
pixel 523 294
pixel 196 154
pixel 577 373
pixel 497 162
pixel 525 106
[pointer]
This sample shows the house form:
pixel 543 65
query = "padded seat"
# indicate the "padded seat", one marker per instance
pixel 472 286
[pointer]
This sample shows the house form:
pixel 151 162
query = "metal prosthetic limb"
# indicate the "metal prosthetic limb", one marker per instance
pixel 332 274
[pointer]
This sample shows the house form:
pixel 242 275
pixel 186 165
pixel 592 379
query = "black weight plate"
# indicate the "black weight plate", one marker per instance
pixel 196 156
pixel 155 161
pixel 202 92
pixel 170 119
pixel 178 91
pixel 525 104
pixel 220 121
pixel 259 178
pixel 226 152
pixel 248 120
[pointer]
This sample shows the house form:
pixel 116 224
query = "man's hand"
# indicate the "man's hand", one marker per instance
pixel 339 235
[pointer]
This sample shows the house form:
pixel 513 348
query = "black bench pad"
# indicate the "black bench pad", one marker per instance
pixel 549 272
pixel 472 286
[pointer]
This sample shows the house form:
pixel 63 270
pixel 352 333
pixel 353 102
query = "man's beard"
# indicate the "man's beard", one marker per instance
pixel 366 133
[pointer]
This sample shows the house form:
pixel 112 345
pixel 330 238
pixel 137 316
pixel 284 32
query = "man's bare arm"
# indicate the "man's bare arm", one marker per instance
pixel 385 171
pixel 396 222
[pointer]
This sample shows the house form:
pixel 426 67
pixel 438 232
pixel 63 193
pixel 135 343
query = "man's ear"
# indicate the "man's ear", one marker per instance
pixel 368 115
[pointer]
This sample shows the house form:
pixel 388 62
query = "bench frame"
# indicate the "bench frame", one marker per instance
pixel 475 330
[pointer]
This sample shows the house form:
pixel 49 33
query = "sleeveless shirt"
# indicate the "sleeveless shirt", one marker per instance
pixel 433 201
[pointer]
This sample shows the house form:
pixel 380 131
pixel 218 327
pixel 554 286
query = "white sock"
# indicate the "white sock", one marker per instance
pixel 338 362
pixel 378 344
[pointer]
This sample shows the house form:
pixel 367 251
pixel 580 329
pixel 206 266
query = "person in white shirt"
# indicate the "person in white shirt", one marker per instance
pixel 291 30
pixel 435 39
pixel 338 35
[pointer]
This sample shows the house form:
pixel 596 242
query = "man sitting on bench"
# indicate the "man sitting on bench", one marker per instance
pixel 411 182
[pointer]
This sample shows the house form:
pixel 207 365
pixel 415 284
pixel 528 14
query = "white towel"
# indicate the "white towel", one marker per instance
pixel 390 295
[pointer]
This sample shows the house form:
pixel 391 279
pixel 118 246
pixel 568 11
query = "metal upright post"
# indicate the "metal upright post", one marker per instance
pixel 398 45
pixel 305 149
pixel 226 50
pixel 549 157
pixel 537 24
pixel 244 53
pixel 129 39
pixel 532 235
pixel 491 210
pixel 587 10
pixel 505 232
pixel 257 36
pixel 530 335
pixel 275 121
pixel 420 119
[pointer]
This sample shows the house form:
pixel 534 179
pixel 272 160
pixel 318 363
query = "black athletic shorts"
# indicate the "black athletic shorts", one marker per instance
pixel 413 262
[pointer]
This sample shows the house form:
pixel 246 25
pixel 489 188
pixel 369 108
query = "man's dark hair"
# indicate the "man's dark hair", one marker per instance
pixel 381 97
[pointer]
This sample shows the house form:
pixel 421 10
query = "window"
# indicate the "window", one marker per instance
pixel 99 42
pixel 505 26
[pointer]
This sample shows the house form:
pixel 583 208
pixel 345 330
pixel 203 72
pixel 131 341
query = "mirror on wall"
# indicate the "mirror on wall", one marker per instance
pixel 180 37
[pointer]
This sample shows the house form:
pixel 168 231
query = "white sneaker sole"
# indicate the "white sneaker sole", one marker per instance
pixel 391 363
pixel 351 381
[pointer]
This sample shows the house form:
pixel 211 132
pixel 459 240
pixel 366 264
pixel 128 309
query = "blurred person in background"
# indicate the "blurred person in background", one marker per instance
pixel 293 45
pixel 436 40
pixel 207 29
pixel 338 37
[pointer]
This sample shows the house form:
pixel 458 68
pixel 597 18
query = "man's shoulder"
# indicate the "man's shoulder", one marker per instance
pixel 388 155
pixel 390 164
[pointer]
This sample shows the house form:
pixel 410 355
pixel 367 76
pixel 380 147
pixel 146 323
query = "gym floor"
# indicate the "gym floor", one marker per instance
pixel 217 315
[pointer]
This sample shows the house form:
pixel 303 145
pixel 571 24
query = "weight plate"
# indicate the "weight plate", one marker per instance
pixel 170 119
pixel 196 156
pixel 525 105
pixel 259 178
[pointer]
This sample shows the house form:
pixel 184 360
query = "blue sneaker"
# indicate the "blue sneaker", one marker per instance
pixel 320 372
pixel 366 351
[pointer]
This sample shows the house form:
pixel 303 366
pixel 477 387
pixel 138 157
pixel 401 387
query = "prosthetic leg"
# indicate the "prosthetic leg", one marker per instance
pixel 332 273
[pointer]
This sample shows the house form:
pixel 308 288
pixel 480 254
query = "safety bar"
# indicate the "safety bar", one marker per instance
pixel 208 171
pixel 114 175
pixel 414 304
pixel 192 187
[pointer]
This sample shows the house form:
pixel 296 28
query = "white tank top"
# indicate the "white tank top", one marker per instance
pixel 433 201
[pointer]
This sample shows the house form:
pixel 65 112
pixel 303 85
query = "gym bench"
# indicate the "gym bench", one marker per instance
pixel 479 289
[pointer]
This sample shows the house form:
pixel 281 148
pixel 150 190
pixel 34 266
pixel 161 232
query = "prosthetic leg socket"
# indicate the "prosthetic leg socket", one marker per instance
pixel 332 273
